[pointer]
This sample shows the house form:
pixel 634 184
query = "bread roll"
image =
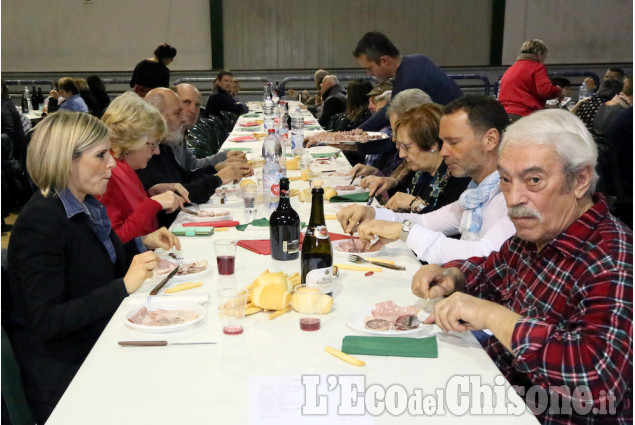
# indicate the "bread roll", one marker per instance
pixel 271 297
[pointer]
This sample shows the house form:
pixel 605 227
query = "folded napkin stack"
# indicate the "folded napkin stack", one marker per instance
pixel 222 223
pixel 193 231
pixel 391 346
pixel 353 197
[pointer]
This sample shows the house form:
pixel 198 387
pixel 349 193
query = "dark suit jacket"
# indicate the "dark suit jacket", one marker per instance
pixel 64 290
pixel 163 168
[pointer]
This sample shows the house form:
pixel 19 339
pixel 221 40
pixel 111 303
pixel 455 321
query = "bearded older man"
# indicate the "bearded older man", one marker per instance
pixel 558 295
pixel 191 102
pixel 164 168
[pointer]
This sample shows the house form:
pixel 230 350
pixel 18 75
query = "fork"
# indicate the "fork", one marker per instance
pixel 177 258
pixel 358 259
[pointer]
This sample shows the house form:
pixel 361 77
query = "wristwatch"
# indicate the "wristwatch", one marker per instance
pixel 417 205
pixel 406 226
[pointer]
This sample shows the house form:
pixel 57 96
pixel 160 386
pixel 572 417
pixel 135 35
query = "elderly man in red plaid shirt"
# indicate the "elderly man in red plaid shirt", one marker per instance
pixel 558 296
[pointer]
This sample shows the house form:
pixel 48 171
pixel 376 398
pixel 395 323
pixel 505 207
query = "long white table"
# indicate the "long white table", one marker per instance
pixel 248 378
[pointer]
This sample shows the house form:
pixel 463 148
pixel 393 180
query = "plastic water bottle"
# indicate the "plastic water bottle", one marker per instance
pixel 272 171
pixel 268 113
pixel 283 123
pixel 297 132
pixel 583 94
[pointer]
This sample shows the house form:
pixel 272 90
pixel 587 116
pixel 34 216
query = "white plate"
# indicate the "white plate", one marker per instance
pixel 337 175
pixel 349 192
pixel 165 306
pixel 319 151
pixel 355 321
pixel 337 250
pixel 227 216
pixel 185 276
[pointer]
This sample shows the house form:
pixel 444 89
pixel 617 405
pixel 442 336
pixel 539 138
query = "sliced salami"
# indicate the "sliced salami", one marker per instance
pixel 378 324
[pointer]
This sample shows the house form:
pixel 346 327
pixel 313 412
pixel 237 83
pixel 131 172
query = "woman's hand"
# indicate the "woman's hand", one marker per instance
pixel 161 238
pixel 377 185
pixel 400 201
pixel 177 188
pixel 360 170
pixel 140 269
pixel 169 201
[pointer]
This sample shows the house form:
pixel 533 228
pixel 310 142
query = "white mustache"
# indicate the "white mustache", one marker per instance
pixel 524 212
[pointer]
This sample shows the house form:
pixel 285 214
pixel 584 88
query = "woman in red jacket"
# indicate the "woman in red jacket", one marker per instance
pixel 525 86
pixel 136 129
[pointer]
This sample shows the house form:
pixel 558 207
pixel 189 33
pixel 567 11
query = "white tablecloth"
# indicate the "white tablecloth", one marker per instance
pixel 199 384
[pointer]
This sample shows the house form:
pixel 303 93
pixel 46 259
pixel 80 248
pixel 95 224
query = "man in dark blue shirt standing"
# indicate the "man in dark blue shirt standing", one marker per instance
pixel 381 59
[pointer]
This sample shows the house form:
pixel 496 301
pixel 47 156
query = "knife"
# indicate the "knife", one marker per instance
pixel 157 343
pixel 353 179
pixel 164 281
pixel 185 210
pixel 388 266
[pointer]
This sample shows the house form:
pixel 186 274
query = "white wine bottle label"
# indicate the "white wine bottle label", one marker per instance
pixel 291 247
pixel 321 232
pixel 320 278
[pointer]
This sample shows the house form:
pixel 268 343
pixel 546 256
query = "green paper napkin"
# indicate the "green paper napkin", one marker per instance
pixel 312 127
pixel 249 128
pixel 391 346
pixel 319 155
pixel 353 197
pixel 251 114
pixel 237 149
pixel 193 231
pixel 260 222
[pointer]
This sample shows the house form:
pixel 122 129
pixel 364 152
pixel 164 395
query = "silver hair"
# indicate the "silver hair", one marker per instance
pixel 565 132
pixel 407 99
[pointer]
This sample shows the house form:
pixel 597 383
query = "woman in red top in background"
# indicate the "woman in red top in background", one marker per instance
pixel 136 128
pixel 525 86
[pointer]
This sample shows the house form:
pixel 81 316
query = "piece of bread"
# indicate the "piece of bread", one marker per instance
pixel 303 303
pixel 271 297
pixel 293 164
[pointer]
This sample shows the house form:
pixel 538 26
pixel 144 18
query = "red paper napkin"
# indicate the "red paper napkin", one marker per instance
pixel 223 223
pixel 241 138
pixel 250 124
pixel 263 247
pixel 259 246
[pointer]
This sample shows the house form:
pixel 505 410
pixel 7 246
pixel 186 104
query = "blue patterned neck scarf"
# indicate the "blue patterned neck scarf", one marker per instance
pixel 472 201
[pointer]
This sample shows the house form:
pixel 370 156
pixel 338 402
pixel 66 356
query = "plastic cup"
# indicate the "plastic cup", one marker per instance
pixel 249 202
pixel 309 307
pixel 225 250
pixel 231 307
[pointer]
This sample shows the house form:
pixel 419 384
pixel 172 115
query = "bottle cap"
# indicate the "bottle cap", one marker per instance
pixel 271 130
pixel 316 184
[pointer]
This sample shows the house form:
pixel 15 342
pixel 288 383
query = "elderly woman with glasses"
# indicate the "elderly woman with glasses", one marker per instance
pixel 68 270
pixel 136 128
pixel 416 136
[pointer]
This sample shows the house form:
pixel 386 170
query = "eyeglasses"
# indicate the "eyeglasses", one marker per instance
pixel 152 146
pixel 401 144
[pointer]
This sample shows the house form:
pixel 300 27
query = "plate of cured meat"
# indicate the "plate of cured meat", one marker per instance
pixel 164 317
pixel 209 214
pixel 346 247
pixel 389 319
pixel 349 189
pixel 190 268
